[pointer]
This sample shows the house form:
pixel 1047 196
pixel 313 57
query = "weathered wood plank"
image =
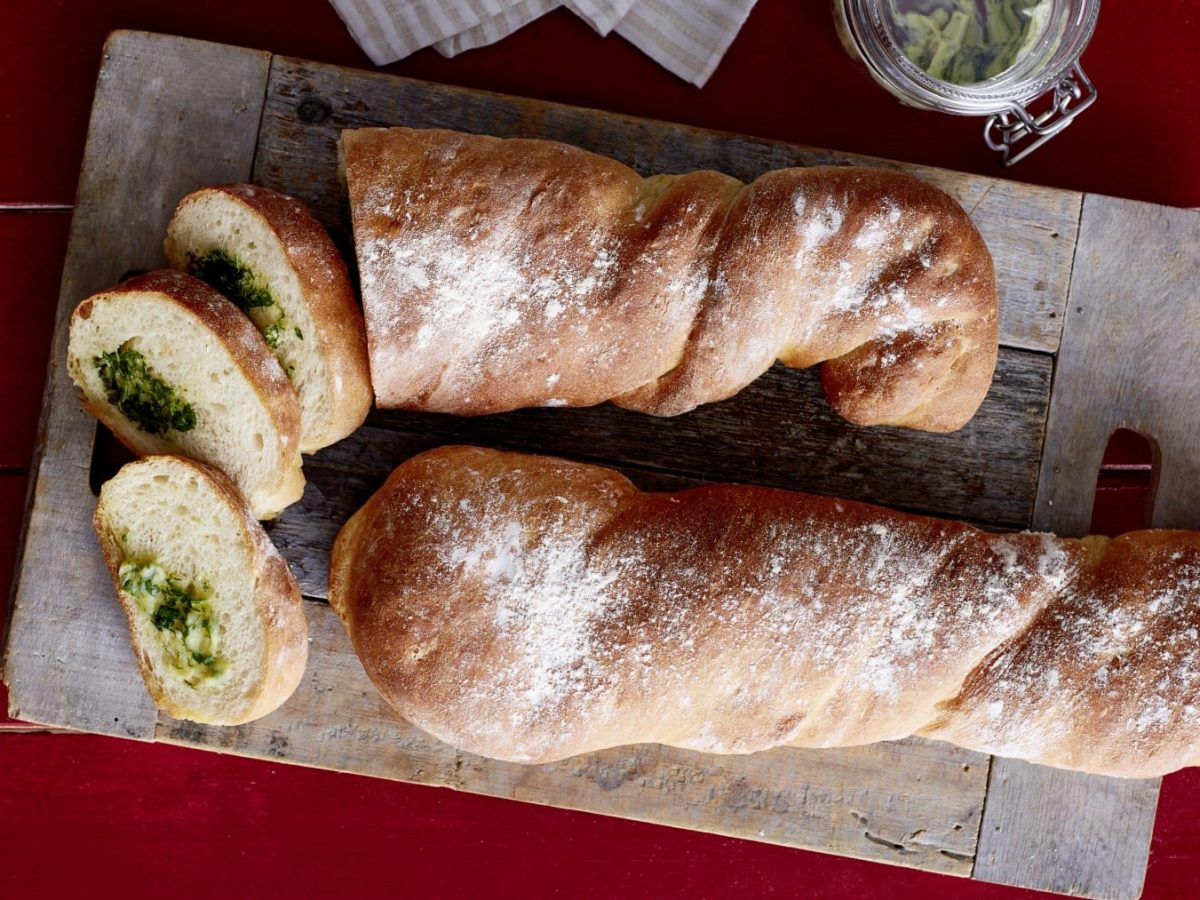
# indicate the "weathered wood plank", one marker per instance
pixel 910 802
pixel 1127 310
pixel 1066 832
pixel 778 432
pixel 1030 230
pixel 915 803
pixel 1128 361
pixel 69 660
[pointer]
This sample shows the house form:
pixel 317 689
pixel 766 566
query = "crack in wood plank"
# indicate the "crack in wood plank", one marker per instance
pixel 982 197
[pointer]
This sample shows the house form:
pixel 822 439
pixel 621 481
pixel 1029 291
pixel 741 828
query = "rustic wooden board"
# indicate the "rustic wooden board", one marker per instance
pixel 912 802
pixel 1066 831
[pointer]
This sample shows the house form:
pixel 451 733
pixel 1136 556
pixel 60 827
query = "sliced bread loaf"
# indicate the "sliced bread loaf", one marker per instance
pixel 216 618
pixel 266 252
pixel 171 366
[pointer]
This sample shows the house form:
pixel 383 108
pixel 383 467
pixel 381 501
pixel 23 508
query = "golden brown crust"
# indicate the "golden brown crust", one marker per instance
pixel 325 286
pixel 529 609
pixel 1106 679
pixel 498 274
pixel 279 605
pixel 249 352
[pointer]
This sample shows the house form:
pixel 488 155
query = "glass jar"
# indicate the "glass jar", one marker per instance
pixel 1045 75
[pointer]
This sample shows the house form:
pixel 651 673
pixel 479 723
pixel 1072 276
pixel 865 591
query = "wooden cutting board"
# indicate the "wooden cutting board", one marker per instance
pixel 1100 321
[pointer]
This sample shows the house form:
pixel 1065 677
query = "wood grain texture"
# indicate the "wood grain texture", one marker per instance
pixel 1066 832
pixel 778 432
pixel 1030 230
pixel 1132 329
pixel 1128 361
pixel 914 802
pixel 68 659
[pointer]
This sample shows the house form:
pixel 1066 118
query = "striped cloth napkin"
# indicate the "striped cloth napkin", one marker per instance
pixel 688 37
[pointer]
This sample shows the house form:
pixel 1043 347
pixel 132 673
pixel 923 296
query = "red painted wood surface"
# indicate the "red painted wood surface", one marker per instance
pixel 83 814
pixel 31 256
pixel 12 506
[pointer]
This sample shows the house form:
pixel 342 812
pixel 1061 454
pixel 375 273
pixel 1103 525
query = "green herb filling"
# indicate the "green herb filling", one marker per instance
pixel 231 278
pixel 181 613
pixel 272 334
pixel 968 41
pixel 141 395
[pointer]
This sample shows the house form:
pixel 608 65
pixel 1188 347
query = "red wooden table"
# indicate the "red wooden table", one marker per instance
pixel 106 817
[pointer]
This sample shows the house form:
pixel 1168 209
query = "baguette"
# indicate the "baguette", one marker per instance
pixel 215 616
pixel 499 274
pixel 266 252
pixel 171 366
pixel 531 609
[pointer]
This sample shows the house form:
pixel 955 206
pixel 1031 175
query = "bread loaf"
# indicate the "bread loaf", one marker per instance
pixel 216 618
pixel 499 274
pixel 171 366
pixel 266 252
pixel 531 609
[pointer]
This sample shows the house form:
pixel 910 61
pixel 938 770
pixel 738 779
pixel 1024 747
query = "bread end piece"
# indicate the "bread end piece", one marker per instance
pixel 215 616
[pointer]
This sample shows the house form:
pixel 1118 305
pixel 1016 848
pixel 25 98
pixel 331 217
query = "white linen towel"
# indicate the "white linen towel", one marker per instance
pixel 688 37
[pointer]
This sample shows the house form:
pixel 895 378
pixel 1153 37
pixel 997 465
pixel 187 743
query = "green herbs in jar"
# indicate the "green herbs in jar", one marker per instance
pixel 969 41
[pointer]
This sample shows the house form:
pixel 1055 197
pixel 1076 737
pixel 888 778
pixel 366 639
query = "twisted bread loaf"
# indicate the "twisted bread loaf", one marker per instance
pixel 530 609
pixel 499 274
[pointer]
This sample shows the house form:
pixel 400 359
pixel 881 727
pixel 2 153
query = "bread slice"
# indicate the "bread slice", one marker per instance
pixel 266 252
pixel 216 618
pixel 171 366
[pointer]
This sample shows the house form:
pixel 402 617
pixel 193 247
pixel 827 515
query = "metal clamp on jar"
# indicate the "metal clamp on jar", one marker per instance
pixel 999 58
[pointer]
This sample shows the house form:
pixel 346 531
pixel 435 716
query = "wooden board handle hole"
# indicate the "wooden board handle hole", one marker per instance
pixel 1125 484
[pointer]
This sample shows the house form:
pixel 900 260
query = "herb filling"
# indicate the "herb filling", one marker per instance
pixel 183 616
pixel 969 41
pixel 235 280
pixel 272 333
pixel 221 271
pixel 141 395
